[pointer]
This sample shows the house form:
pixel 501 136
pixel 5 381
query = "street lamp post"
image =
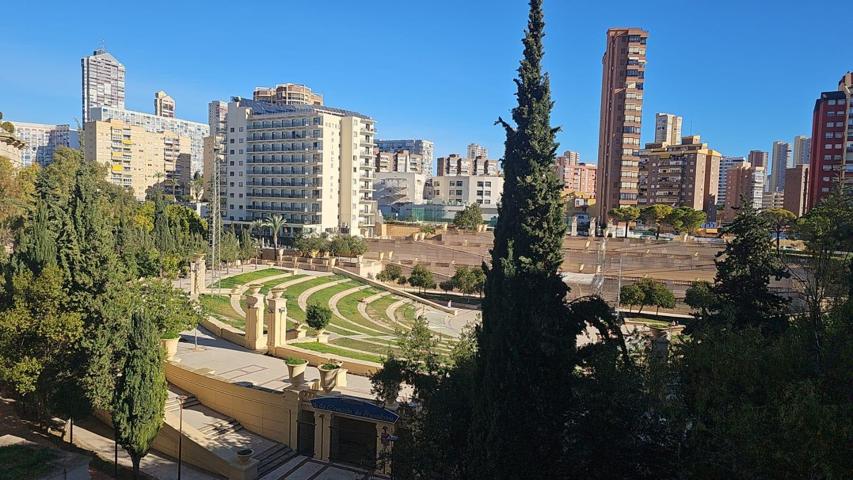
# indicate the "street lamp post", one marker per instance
pixel 181 399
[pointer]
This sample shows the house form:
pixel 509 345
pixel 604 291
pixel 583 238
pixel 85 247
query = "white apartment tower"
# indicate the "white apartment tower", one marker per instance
pixel 802 150
pixel 726 163
pixel 311 164
pixel 103 82
pixel 477 151
pixel 780 158
pixel 668 128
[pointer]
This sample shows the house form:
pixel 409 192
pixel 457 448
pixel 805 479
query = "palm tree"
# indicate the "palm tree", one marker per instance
pixel 197 188
pixel 275 223
pixel 256 226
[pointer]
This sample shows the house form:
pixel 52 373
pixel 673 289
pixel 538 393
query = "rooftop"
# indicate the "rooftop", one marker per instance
pixel 266 108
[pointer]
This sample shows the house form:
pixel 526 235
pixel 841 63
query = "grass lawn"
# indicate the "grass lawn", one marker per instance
pixel 247 277
pixel 376 309
pixel 326 348
pixel 269 284
pixel 365 346
pixel 292 295
pixel 323 297
pixel 18 462
pixel 348 306
pixel 407 314
pixel 219 306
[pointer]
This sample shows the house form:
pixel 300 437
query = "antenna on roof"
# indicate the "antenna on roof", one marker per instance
pixel 102 47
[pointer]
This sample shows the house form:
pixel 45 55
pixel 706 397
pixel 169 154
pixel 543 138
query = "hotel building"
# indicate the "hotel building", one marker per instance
pixel 42 141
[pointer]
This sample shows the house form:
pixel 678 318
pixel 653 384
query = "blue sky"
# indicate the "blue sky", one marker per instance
pixel 742 73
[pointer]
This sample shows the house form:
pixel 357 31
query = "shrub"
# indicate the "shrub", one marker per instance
pixel 318 316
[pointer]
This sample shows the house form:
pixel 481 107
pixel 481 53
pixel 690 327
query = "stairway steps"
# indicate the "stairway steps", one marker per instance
pixel 273 458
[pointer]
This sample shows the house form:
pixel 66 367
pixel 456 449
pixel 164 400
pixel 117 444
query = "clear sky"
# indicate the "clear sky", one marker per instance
pixel 742 73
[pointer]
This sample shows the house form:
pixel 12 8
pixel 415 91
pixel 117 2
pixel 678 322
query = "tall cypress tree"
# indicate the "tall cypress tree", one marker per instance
pixel 140 394
pixel 527 338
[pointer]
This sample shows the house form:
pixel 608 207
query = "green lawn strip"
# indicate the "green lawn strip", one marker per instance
pixel 323 297
pixel 270 284
pixel 21 462
pixel 247 277
pixel 343 352
pixel 292 295
pixel 364 346
pixel 348 306
pixel 377 308
pixel 219 306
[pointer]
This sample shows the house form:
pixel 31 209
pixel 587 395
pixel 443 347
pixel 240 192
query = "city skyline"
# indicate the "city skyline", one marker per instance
pixel 41 78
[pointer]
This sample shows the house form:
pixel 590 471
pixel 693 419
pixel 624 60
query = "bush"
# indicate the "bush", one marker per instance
pixel 318 317
pixel 295 361
pixel 447 285
pixel 469 218
pixel 391 272
pixel 421 278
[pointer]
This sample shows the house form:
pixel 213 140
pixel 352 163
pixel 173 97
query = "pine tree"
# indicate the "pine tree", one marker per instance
pixel 164 239
pixel 527 339
pixel 140 394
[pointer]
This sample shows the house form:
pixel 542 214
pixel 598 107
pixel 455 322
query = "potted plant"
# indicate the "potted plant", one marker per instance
pixel 296 369
pixel 169 340
pixel 329 376
pixel 244 455
pixel 318 318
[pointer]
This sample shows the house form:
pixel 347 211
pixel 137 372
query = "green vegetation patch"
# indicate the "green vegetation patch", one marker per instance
pixel 247 277
pixel 326 348
pixel 219 306
pixel 348 306
pixel 19 462
pixel 270 284
pixel 292 295
pixel 376 309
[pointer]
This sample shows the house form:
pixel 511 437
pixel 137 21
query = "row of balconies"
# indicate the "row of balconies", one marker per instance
pixel 284 171
pixel 283 208
pixel 280 147
pixel 290 123
pixel 306 196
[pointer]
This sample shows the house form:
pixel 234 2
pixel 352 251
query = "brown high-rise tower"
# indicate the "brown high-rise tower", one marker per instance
pixel 624 66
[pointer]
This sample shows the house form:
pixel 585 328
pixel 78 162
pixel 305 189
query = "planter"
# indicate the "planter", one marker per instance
pixel 322 337
pixel 253 289
pixel 328 377
pixel 170 345
pixel 244 455
pixel 301 331
pixel 296 373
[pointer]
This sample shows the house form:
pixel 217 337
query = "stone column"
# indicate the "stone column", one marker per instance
pixel 198 272
pixel 592 227
pixel 276 316
pixel 383 449
pixel 574 226
pixel 322 435
pixel 255 319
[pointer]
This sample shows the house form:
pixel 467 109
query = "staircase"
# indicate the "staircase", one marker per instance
pixel 173 404
pixel 272 458
pixel 222 427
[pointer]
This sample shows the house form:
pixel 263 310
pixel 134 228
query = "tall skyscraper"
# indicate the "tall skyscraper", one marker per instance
pixel 781 157
pixel 802 150
pixel 624 65
pixel 744 182
pixel 424 148
pixel 668 128
pixel 796 189
pixel 475 151
pixel 758 158
pixel 103 82
pixel 164 105
pixel 831 159
pixel 288 94
pixel 726 163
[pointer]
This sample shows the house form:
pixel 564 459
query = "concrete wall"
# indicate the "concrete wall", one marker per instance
pixel 356 367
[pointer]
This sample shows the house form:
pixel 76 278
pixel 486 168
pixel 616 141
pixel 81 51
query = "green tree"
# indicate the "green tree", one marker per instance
pixel 421 278
pixel 779 220
pixel 527 339
pixel 275 223
pixel 631 295
pixel 469 280
pixel 230 247
pixel 347 246
pixel 655 215
pixel 447 285
pixel 318 317
pixel 468 218
pixel 248 247
pixel 685 219
pixel 700 297
pixel 140 395
pixel 625 213
pixel 391 272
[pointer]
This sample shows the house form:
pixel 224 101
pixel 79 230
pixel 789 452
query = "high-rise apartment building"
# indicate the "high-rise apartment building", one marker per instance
pixel 42 141
pixel 682 175
pixel 831 159
pixel 668 128
pixel 311 164
pixel 103 82
pixel 401 161
pixel 477 151
pixel 11 148
pixel 577 176
pixel 214 148
pixel 758 158
pixel 287 94
pixel 137 158
pixel 454 164
pixel 424 148
pixel 744 182
pixel 155 124
pixel 802 150
pixel 781 157
pixel 725 164
pixel 796 189
pixel 624 65
pixel 773 199
pixel 164 105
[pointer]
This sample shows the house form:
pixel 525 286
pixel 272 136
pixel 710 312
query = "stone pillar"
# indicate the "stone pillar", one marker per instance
pixel 383 448
pixel 322 435
pixel 255 319
pixel 574 226
pixel 276 316
pixel 592 227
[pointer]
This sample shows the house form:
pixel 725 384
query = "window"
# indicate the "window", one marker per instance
pixel 231 152
pixel 232 129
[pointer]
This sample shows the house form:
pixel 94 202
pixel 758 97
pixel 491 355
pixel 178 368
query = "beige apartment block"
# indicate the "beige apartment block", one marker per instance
pixel 744 182
pixel 483 190
pixel 683 175
pixel 164 105
pixel 287 94
pixel 577 177
pixel 137 159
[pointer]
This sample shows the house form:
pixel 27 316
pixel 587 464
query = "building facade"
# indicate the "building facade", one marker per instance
pixel 624 65
pixel 287 94
pixel 577 177
pixel 802 150
pixel 682 175
pixel 725 164
pixel 103 82
pixel 401 161
pixel 758 158
pixel 483 190
pixel 394 189
pixel 11 148
pixel 164 105
pixel 139 159
pixel 42 140
pixel 832 141
pixel 744 182
pixel 311 164
pixel 773 200
pixel 668 128
pixel 455 164
pixel 796 189
pixel 214 150
pixel 475 151
pixel 424 148
pixel 781 158
pixel 156 124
